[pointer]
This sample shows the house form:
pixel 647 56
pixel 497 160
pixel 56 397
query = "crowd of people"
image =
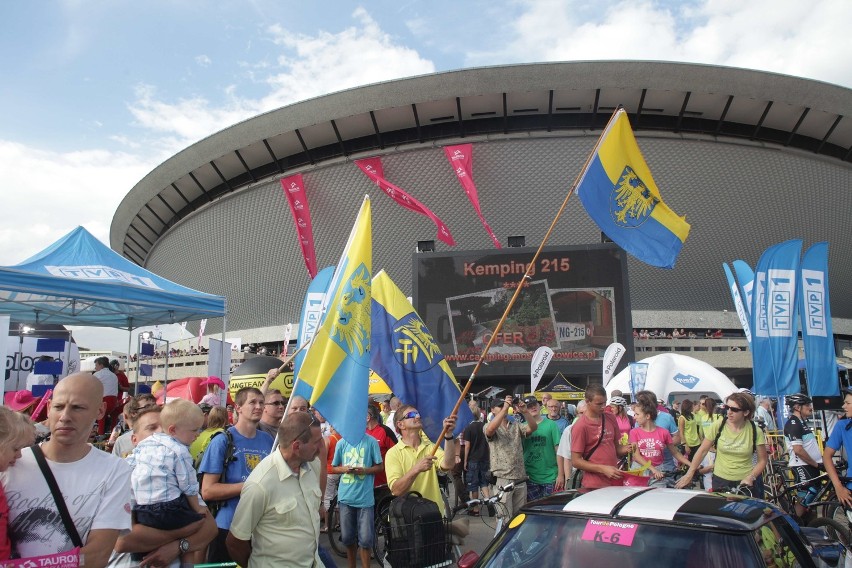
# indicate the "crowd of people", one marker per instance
pixel 676 333
pixel 186 483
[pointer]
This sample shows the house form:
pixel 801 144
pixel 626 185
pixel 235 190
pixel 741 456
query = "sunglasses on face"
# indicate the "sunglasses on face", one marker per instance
pixel 412 414
pixel 732 409
pixel 307 429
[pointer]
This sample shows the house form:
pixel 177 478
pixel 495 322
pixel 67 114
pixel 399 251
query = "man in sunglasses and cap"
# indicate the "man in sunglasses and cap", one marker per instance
pixel 410 466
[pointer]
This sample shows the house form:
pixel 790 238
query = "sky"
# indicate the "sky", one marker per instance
pixel 97 93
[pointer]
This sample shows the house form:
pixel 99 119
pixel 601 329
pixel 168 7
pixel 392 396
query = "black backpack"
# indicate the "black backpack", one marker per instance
pixel 417 532
pixel 230 456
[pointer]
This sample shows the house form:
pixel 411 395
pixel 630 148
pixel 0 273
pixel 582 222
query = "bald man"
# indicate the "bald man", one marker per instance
pixel 95 484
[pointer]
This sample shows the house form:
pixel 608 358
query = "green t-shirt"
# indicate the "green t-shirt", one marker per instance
pixel 690 430
pixel 540 453
pixel 201 441
pixel 734 450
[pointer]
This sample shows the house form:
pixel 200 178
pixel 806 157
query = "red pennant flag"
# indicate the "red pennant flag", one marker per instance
pixel 294 189
pixel 372 167
pixel 461 160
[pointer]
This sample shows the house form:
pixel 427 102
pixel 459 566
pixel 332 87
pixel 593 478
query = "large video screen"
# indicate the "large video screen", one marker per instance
pixel 575 301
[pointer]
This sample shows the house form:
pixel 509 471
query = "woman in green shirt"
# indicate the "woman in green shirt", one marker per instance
pixel 736 439
pixel 687 425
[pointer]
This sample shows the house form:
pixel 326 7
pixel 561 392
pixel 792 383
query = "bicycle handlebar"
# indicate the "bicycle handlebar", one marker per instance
pixel 489 501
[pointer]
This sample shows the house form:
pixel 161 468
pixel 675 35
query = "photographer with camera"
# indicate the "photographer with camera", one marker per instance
pixel 505 443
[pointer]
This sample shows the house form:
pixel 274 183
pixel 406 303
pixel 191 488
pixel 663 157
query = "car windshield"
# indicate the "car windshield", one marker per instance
pixel 549 541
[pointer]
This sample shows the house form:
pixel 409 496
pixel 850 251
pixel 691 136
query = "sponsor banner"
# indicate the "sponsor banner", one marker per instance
pixel 312 315
pixel 294 190
pixel 783 315
pixel 817 332
pixel 638 377
pixel 742 314
pixel 201 327
pixel 21 359
pixel 283 382
pixel 100 272
pixel 611 358
pixel 372 168
pixel 689 381
pixel 540 361
pixel 461 160
pixel 219 360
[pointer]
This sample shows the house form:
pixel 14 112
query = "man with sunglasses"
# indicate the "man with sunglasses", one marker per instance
pixel 277 519
pixel 410 466
pixel 273 412
pixel 805 457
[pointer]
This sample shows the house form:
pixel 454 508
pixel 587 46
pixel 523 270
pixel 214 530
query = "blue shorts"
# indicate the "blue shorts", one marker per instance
pixel 356 526
pixel 477 475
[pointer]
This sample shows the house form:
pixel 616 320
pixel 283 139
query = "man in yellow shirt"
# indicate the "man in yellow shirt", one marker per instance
pixel 410 466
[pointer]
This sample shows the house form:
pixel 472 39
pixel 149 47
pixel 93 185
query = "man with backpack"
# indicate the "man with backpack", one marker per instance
pixel 228 460
pixel 410 465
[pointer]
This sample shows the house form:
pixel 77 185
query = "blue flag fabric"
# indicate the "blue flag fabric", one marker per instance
pixel 620 195
pixel 742 313
pixel 817 332
pixel 775 334
pixel 337 365
pixel 745 278
pixel 311 319
pixel 407 358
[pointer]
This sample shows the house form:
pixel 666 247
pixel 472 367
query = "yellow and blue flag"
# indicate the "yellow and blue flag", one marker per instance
pixel 337 364
pixel 407 358
pixel 620 195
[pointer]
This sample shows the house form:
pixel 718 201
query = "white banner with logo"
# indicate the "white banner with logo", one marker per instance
pixel 21 357
pixel 540 360
pixel 612 356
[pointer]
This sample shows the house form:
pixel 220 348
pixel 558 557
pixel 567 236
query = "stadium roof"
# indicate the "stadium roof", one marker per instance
pixel 681 99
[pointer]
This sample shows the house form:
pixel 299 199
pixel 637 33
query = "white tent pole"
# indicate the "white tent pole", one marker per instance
pixel 127 357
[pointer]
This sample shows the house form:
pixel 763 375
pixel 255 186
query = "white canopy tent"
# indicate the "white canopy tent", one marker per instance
pixel 679 375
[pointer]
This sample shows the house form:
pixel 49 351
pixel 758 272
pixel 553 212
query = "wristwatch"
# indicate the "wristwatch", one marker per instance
pixel 450 437
pixel 183 544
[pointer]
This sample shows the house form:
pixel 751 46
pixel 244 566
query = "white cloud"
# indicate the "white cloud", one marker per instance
pixel 47 194
pixel 203 60
pixel 807 39
pixel 308 66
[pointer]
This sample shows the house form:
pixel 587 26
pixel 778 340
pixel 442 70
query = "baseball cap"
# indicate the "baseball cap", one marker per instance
pixel 530 400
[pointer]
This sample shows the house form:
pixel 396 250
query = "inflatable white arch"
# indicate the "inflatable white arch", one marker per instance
pixel 673 374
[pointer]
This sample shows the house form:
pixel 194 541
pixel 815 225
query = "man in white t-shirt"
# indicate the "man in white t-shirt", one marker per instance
pixel 563 451
pixel 95 484
pixel 110 384
pixel 34 379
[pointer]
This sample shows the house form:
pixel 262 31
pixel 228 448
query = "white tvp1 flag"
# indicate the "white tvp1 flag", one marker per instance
pixel 612 356
pixel 540 360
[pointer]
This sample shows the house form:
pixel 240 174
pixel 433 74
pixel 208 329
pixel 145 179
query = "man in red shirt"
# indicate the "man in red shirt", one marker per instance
pixel 123 381
pixel 383 435
pixel 594 442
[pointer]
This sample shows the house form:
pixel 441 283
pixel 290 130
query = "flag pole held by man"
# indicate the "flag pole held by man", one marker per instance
pixel 620 195
pixel 337 364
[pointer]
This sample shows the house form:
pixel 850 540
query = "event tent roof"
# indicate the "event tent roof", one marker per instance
pixel 80 281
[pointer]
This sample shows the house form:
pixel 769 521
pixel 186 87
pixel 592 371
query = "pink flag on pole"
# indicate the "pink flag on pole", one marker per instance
pixel 294 189
pixel 372 167
pixel 461 160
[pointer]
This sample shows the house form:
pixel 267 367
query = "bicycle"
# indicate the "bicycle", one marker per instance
pixel 494 502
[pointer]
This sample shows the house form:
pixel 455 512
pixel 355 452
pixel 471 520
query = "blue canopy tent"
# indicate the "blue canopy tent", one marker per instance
pixel 80 281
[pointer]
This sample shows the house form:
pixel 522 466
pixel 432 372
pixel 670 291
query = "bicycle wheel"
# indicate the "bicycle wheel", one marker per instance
pixel 834 529
pixel 332 521
pixel 382 530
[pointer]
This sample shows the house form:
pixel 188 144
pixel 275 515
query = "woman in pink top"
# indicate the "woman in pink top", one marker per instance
pixel 648 441
pixel 618 406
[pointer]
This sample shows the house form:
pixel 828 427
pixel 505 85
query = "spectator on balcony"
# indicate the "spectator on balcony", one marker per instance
pixel 717 334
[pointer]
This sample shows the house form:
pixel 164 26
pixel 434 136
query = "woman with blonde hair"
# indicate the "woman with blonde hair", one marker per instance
pixel 16 432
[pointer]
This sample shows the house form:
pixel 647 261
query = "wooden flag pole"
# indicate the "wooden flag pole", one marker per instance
pixel 527 276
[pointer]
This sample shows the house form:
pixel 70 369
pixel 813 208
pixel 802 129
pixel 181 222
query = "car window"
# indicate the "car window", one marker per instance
pixel 555 541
